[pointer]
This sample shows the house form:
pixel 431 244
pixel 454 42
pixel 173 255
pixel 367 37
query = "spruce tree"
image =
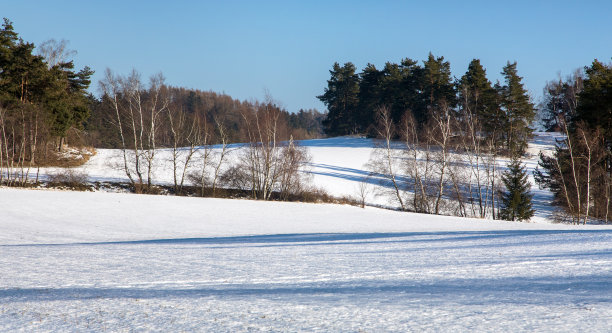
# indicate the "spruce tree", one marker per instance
pixel 516 200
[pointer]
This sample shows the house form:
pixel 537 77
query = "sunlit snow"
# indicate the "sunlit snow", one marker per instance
pixel 82 261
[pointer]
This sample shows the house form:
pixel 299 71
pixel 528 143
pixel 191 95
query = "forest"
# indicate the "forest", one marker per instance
pixel 440 121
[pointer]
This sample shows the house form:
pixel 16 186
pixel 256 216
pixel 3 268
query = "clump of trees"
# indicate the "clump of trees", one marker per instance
pixel 579 170
pixel 504 110
pixel 150 117
pixel 270 163
pixel 138 113
pixel 42 97
pixel 440 139
pixel 444 167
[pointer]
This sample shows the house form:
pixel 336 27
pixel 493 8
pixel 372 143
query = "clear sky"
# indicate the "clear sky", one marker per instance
pixel 287 47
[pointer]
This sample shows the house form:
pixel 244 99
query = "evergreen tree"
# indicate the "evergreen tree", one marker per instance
pixel 478 96
pixel 516 200
pixel 595 101
pixel 23 75
pixel 392 90
pixel 401 87
pixel 560 102
pixel 8 43
pixel 67 97
pixel 436 86
pixel 394 87
pixel 370 95
pixel 341 98
pixel 518 111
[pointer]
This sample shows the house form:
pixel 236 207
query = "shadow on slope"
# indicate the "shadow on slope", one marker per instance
pixel 338 142
pixel 545 290
pixel 526 236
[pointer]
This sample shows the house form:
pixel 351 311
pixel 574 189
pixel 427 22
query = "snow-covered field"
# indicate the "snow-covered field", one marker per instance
pixel 82 261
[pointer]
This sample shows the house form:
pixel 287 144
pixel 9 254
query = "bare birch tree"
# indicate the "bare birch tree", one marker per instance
pixel 137 113
pixel 204 150
pixel 184 135
pixel 384 157
pixel 440 134
pixel 479 156
pixel 418 163
pixel 268 164
pixel 363 191
pixel 224 141
pixel 55 52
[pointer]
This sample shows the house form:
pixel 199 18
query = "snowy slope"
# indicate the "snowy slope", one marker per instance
pixel 57 217
pixel 74 261
pixel 81 261
pixel 338 166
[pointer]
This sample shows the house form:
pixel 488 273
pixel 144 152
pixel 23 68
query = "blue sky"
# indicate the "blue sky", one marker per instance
pixel 243 48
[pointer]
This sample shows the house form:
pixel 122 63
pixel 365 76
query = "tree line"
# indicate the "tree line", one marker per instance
pixel 304 124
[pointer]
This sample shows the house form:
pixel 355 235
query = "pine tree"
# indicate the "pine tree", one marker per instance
pixel 438 88
pixel 391 88
pixel 370 90
pixel 518 110
pixel 401 86
pixel 341 98
pixel 56 94
pixel 516 201
pixel 66 98
pixel 477 95
pixel 595 101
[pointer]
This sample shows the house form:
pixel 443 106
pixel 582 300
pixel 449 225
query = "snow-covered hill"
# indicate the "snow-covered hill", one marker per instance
pixel 96 261
pixel 80 261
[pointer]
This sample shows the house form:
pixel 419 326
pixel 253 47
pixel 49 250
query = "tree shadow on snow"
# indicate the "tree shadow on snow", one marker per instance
pixel 476 239
pixel 545 290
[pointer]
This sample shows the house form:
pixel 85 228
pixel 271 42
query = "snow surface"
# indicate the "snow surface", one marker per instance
pixel 83 261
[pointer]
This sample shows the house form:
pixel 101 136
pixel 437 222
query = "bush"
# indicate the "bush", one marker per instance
pixel 71 179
